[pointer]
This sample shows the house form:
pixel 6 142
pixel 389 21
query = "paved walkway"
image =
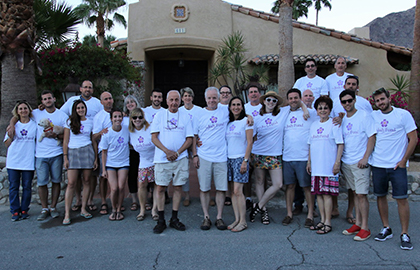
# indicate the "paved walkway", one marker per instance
pixel 102 244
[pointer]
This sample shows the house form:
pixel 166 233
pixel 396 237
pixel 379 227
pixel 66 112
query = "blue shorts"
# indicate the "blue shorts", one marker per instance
pixel 234 170
pixel 49 166
pixel 398 178
pixel 295 172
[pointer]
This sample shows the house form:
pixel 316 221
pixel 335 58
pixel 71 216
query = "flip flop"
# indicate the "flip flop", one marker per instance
pixel 66 221
pixel 87 216
pixel 92 207
pixel 228 201
pixel 240 227
pixel 112 217
pixel 351 220
pixel 76 207
pixel 104 209
pixel 134 206
pixel 140 217
pixel 119 216
pixel 148 207
pixel 326 229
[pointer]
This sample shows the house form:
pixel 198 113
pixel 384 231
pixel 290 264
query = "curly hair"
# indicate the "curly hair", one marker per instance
pixel 74 118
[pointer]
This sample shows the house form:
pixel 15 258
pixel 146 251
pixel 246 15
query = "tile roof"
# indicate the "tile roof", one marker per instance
pixel 325 31
pixel 321 59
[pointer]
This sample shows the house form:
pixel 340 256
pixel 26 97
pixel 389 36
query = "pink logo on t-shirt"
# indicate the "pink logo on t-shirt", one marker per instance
pixel 293 120
pixel 340 83
pixel 213 119
pixel 349 126
pixel 255 113
pixel 309 85
pixel 173 121
pixel 24 132
pixel 320 130
pixel 190 116
pixel 384 123
pixel 141 139
pixel 268 121
pixel 120 140
pixel 232 128
pixel 81 128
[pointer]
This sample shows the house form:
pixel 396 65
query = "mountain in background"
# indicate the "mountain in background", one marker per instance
pixel 395 28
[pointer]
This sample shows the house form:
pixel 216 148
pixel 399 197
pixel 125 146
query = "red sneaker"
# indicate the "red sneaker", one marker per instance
pixel 362 235
pixel 354 229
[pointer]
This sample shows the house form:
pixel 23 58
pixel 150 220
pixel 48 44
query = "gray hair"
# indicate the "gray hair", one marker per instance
pixel 126 99
pixel 167 95
pixel 211 88
pixel 187 90
pixel 338 57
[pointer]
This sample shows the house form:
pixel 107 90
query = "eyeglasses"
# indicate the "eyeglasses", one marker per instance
pixel 225 93
pixel 137 117
pixel 345 101
pixel 271 100
pixel 87 87
pixel 323 108
pixel 310 66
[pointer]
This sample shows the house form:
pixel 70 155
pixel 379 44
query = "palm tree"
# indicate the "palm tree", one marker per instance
pixel 98 12
pixel 318 4
pixel 415 68
pixel 300 8
pixel 286 72
pixel 91 40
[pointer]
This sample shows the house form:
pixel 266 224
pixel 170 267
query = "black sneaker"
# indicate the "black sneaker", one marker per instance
pixel 220 224
pixel 177 225
pixel 406 242
pixel 160 227
pixel 385 233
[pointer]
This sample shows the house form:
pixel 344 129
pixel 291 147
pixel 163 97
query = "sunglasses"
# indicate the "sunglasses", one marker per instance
pixel 271 100
pixel 137 117
pixel 310 66
pixel 347 101
pixel 323 108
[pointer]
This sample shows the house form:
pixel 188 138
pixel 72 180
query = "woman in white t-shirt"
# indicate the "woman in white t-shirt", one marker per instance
pixel 115 161
pixel 79 156
pixel 187 96
pixel 20 161
pixel 239 144
pixel 326 148
pixel 141 140
pixel 130 103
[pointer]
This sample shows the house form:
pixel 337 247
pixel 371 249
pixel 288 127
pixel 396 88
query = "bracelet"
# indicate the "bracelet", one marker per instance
pixel 177 154
pixel 195 156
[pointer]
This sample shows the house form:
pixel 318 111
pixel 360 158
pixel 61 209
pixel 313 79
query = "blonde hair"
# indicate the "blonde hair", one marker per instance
pixel 137 112
pixel 15 109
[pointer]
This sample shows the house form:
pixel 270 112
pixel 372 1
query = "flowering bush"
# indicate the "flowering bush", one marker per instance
pixel 109 70
pixel 399 100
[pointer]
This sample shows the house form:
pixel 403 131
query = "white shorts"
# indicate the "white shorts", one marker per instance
pixel 215 170
pixel 175 171
pixel 356 179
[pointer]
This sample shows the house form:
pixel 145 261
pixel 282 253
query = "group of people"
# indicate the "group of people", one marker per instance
pixel 326 129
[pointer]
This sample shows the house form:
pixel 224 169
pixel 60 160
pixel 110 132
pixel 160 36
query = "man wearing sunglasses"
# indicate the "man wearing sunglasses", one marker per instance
pixel 335 82
pixel 312 81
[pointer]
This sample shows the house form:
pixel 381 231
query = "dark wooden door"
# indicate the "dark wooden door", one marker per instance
pixel 168 75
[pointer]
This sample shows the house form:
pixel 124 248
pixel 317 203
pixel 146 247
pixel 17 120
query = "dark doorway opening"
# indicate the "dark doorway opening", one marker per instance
pixel 169 75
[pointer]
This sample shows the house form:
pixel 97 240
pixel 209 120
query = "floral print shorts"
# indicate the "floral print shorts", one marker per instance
pixel 266 162
pixel 147 174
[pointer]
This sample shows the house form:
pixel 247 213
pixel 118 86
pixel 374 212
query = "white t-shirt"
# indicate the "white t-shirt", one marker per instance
pixel 317 85
pixel 296 131
pixel 150 113
pixel 252 110
pixel 391 137
pixel 84 137
pixel 48 147
pixel 361 105
pixel 117 145
pixel 101 120
pixel 195 110
pixel 173 129
pixel 21 152
pixel 236 138
pixel 356 132
pixel 335 84
pixel 323 140
pixel 93 106
pixel 141 140
pixel 269 130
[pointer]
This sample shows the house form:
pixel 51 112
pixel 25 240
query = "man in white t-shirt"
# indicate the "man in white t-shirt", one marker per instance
pixel 101 123
pixel 359 136
pixel 396 140
pixel 152 110
pixel 308 98
pixel 295 156
pixel 172 134
pixel 311 81
pixel 225 94
pixel 210 158
pixel 335 81
pixel 92 103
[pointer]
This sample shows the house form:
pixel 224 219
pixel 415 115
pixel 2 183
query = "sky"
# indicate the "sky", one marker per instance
pixel 344 15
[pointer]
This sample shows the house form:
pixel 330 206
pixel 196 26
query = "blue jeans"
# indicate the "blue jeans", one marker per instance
pixel 14 184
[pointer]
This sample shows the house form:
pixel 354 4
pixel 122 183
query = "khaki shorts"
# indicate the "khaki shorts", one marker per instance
pixel 176 171
pixel 215 170
pixel 356 179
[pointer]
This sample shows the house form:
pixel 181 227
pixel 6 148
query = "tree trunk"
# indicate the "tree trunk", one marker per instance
pixel 16 85
pixel 316 18
pixel 100 29
pixel 415 68
pixel 286 72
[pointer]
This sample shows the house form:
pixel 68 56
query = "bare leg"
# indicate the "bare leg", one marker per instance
pixel 383 210
pixel 103 189
pixel 86 190
pixel 220 202
pixel 159 199
pixel 155 207
pixel 290 196
pixel 357 210
pixel 78 190
pixel 92 188
pixel 55 193
pixel 404 213
pixel 122 181
pixel 43 195
pixel 335 211
pixel 142 192
pixel 328 205
pixel 277 183
pixel 176 198
pixel 113 184
pixel 320 200
pixel 240 201
pixel 310 201
pixel 351 203
pixel 259 182
pixel 205 201
pixel 234 203
pixel 72 179
pixel 364 210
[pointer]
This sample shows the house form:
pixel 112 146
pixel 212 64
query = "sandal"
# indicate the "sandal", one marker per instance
pixel 319 226
pixel 240 227
pixel 104 209
pixel 265 219
pixel 254 211
pixel 119 216
pixel 351 220
pixel 228 201
pixel 140 217
pixel 76 207
pixel 113 216
pixel 233 225
pixel 92 207
pixel 122 208
pixel 134 206
pixel 326 229
pixel 148 207
pixel 66 221
pixel 155 217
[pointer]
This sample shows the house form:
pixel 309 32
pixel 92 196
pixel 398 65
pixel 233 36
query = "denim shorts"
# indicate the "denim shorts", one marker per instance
pixel 381 178
pixel 49 166
pixel 295 172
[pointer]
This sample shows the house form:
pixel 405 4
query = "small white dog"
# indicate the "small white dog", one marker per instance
pixel 49 126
